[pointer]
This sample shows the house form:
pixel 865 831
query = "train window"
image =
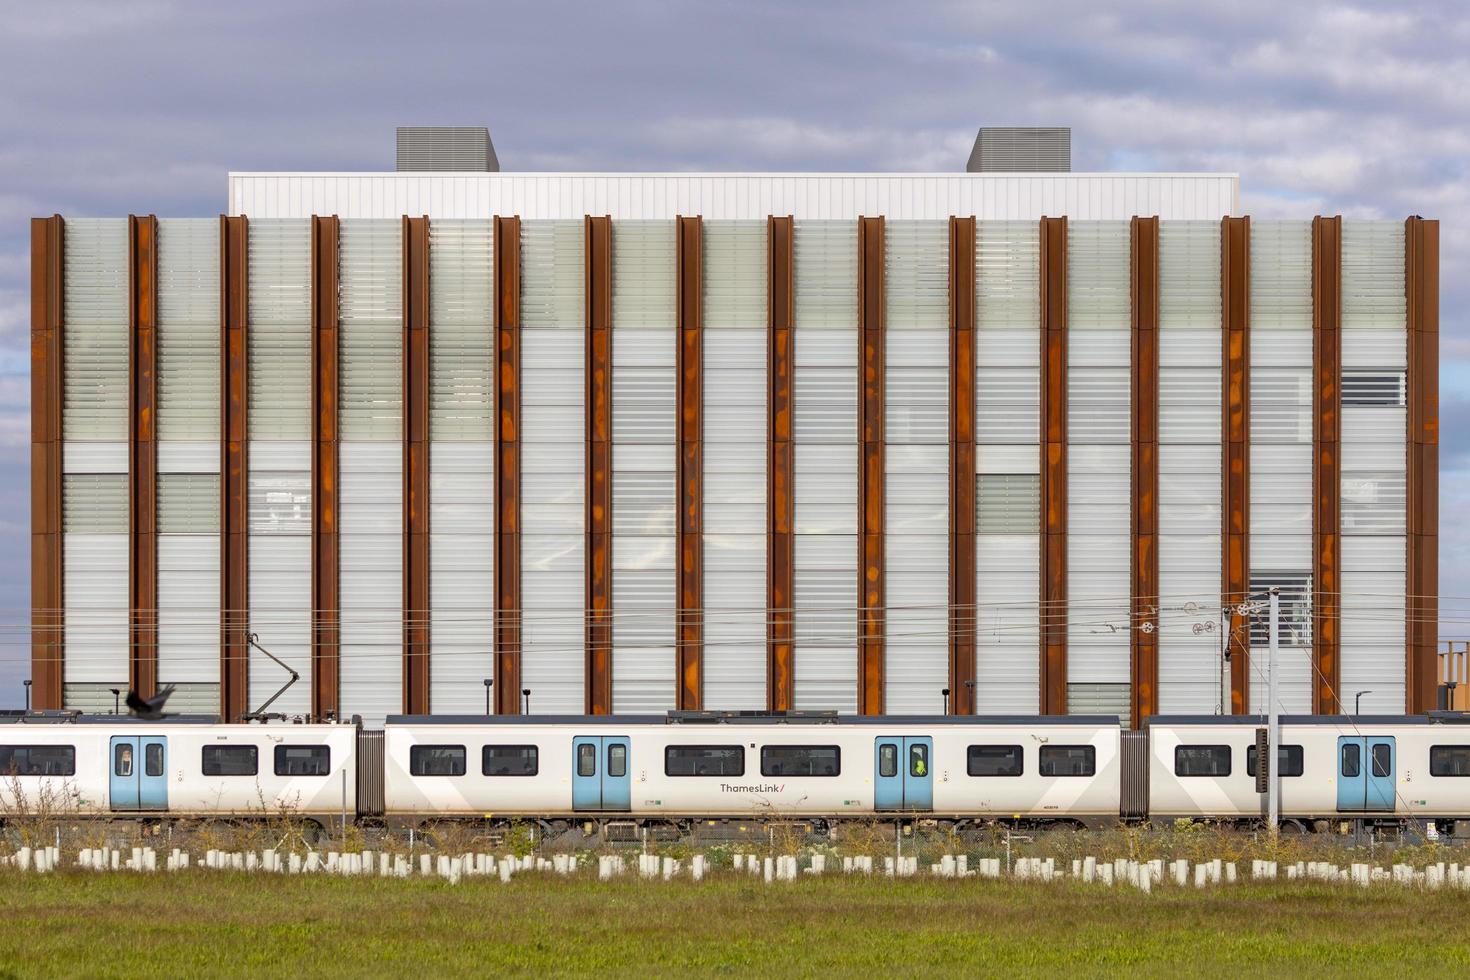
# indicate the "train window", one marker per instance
pixel 994 760
pixel 122 762
pixel 801 760
pixel 303 760
pixel 38 760
pixel 617 760
pixel 1449 760
pixel 586 759
pixel 509 760
pixel 1201 760
pixel 153 759
pixel 1288 760
pixel 1068 760
pixel 887 760
pixel 436 760
pixel 704 760
pixel 230 760
pixel 1352 760
pixel 1382 760
pixel 918 760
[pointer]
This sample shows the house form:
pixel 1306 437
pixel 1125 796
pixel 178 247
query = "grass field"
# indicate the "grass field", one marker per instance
pixel 213 924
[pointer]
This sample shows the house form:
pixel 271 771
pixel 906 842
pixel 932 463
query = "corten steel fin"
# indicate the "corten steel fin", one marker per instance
pixel 47 315
pixel 1421 285
pixel 780 484
pixel 1235 571
pixel 234 237
pixel 962 556
pixel 871 585
pixel 689 661
pixel 143 454
pixel 1053 613
pixel 325 546
pixel 416 385
pixel 508 465
pixel 1145 470
pixel 1326 463
pixel 599 465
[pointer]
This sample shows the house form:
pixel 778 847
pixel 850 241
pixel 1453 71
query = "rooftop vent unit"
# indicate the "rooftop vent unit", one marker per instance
pixel 461 148
pixel 1021 149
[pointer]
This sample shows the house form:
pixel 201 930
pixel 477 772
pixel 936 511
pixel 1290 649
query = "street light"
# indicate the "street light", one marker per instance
pixel 116 692
pixel 489 682
pixel 526 693
pixel 945 692
pixel 1358 702
pixel 970 686
pixel 27 684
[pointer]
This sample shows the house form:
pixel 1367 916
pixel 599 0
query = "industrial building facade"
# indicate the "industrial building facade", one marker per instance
pixel 619 443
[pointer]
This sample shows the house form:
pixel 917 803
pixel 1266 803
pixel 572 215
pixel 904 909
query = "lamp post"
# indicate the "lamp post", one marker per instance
pixel 526 693
pixel 945 692
pixel 970 687
pixel 115 693
pixel 27 684
pixel 1358 702
pixel 489 682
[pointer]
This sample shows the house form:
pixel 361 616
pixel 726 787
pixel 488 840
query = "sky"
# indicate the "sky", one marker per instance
pixel 110 107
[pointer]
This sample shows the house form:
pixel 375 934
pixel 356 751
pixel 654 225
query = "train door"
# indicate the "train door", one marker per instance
pixel 600 776
pixel 137 779
pixel 1366 767
pixel 903 774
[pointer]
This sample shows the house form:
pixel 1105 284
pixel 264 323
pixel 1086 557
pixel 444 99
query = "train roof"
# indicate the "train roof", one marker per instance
pixel 1338 721
pixel 757 718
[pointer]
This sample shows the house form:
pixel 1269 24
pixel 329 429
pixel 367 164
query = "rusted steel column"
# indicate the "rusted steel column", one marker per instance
pixel 1053 466
pixel 871 591
pixel 234 528
pixel 508 465
pixel 962 570
pixel 1326 462
pixel 1144 466
pixel 599 465
pixel 143 453
pixel 1421 259
pixel 780 475
pixel 689 680
pixel 416 382
pixel 325 547
pixel 47 618
pixel 1235 571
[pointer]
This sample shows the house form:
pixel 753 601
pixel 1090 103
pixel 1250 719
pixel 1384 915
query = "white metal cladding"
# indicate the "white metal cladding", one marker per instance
pixel 95 329
pixel 371 342
pixel 1099 554
pixel 644 418
pixel 1007 662
pixel 279 516
pixel 1373 294
pixel 461 574
pixel 189 332
pixel 1280 275
pixel 461 330
pixel 279 337
pixel 553 386
pixel 370 521
pixel 726 196
pixel 95 591
pixel 734 506
pixel 825 464
pixel 188 605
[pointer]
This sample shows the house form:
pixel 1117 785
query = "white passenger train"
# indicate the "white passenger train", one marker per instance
pixel 674 769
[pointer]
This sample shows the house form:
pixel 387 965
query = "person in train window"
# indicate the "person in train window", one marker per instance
pixel 917 766
pixel 124 760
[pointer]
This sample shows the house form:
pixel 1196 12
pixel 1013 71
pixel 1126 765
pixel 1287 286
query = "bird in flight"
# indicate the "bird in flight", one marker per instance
pixel 152 708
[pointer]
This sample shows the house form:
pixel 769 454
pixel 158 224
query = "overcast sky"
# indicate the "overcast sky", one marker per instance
pixel 116 106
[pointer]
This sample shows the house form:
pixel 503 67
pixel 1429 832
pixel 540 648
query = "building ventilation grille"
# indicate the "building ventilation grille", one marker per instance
pixel 457 148
pixel 1020 149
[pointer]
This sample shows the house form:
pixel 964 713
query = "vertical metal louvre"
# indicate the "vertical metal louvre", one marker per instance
pixel 1281 440
pixel 825 449
pixel 644 495
pixel 371 468
pixel 734 269
pixel 461 464
pixel 279 480
pixel 1007 463
pixel 1374 479
pixel 94 522
pixel 95 334
pixel 189 331
pixel 553 396
pixel 1190 666
pixel 188 585
pixel 1099 620
pixel 916 454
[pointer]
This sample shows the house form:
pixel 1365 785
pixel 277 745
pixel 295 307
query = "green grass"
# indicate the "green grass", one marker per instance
pixel 211 924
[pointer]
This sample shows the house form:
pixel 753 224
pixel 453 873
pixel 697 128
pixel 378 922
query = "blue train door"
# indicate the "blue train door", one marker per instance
pixel 1366 767
pixel 138 768
pixel 903 773
pixel 600 776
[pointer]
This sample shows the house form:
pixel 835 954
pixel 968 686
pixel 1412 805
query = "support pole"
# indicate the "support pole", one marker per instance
pixel 1273 736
